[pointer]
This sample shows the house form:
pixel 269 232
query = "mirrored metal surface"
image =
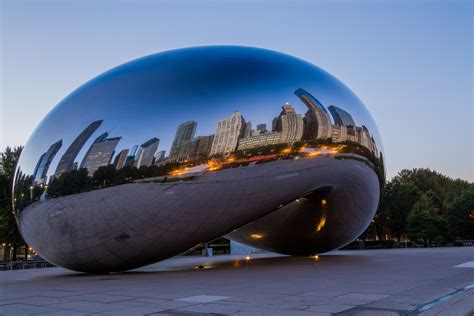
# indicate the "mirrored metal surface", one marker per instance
pixel 176 149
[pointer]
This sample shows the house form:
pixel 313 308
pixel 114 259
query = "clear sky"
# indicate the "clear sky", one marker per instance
pixel 410 62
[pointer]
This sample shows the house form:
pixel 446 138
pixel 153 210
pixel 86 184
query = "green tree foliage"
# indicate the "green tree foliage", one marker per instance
pixel 405 199
pixel 397 200
pixel 9 233
pixel 425 222
pixel 74 181
pixel 460 214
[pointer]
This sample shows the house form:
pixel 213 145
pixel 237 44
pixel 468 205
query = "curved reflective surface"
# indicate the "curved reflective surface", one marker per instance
pixel 175 149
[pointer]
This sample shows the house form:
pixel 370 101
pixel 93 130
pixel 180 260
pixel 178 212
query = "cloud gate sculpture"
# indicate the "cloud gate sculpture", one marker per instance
pixel 176 149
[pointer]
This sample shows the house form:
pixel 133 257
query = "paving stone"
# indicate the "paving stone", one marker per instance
pixel 330 308
pixel 23 309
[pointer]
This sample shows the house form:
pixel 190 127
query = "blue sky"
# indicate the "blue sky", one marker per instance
pixel 410 62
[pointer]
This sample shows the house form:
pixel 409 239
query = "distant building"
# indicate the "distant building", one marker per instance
pixel 290 125
pixel 129 161
pixel 67 160
pixel 41 170
pixel 248 129
pixel 227 135
pixel 97 140
pixel 203 147
pixel 339 133
pixel 265 139
pixel 366 140
pixel 100 154
pixel 195 149
pixel 147 152
pixel 188 149
pixel 262 128
pixel 160 156
pixel 274 124
pixel 184 132
pixel 121 158
pixel 341 117
pixel 317 121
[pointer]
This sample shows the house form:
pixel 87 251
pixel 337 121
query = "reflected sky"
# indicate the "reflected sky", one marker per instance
pixel 149 97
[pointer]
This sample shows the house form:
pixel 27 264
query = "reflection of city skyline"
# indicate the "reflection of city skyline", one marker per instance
pixel 231 134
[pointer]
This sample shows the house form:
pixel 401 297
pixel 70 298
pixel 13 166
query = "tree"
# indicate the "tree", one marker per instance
pixel 72 182
pixel 397 200
pixel 460 215
pixel 425 221
pixel 9 232
pixel 104 176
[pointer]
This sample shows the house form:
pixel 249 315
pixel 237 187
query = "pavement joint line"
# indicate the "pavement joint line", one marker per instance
pixel 445 298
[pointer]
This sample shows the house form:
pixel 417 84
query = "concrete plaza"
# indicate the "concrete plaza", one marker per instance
pixel 369 282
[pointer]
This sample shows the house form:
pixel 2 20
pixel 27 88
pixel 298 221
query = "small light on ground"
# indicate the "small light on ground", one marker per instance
pixel 247 258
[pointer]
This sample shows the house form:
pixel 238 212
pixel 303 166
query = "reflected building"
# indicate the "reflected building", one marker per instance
pixel 261 128
pixel 184 133
pixel 195 149
pixel 131 156
pixel 147 152
pixel 341 117
pixel 41 170
pixel 203 147
pixel 67 160
pixel 121 158
pixel 160 156
pixel 367 140
pixel 248 129
pixel 265 139
pixel 317 121
pixel 339 133
pixel 288 128
pixel 227 135
pixel 97 140
pixel 289 125
pixel 100 153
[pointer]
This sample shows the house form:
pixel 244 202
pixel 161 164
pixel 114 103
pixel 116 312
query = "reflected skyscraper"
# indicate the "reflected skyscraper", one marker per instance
pixel 97 140
pixel 203 147
pixel 41 169
pixel 147 152
pixel 184 132
pixel 317 121
pixel 341 117
pixel 228 133
pixel 248 129
pixel 100 153
pixel 121 158
pixel 259 140
pixel 262 128
pixel 289 124
pixel 67 160
pixel 160 156
pixel 131 156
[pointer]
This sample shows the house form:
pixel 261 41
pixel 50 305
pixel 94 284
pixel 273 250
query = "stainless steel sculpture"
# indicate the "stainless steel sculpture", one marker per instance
pixel 172 150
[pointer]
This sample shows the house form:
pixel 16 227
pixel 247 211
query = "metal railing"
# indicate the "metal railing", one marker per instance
pixel 20 265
